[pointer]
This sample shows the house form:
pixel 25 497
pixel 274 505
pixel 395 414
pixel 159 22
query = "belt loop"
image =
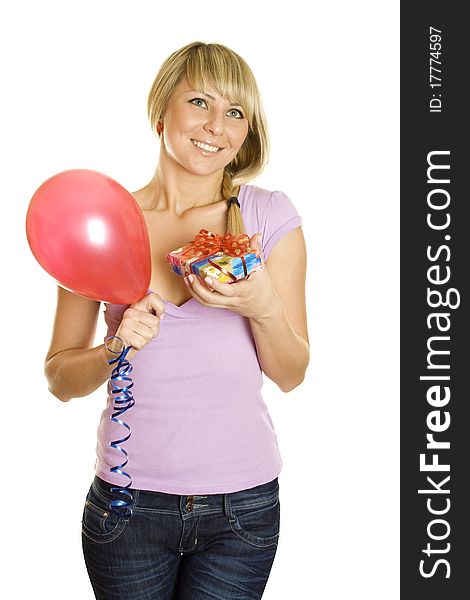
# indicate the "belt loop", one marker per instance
pixel 228 508
pixel 135 497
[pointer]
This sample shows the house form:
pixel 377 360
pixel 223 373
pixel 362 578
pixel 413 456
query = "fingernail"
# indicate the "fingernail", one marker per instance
pixel 162 316
pixel 208 280
pixel 190 277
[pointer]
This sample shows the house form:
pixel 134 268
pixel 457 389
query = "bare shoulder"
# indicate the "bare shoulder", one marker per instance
pixel 141 196
pixel 75 322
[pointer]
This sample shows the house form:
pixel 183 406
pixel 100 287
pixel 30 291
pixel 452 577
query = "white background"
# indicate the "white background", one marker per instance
pixel 75 78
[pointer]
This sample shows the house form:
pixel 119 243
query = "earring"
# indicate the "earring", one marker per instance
pixel 159 127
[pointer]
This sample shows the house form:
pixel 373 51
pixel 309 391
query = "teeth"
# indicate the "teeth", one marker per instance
pixel 205 146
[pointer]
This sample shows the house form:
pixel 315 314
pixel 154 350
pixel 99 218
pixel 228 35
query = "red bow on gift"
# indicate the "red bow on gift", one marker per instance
pixel 207 243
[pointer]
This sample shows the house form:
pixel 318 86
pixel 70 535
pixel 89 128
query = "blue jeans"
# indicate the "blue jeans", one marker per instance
pixel 171 547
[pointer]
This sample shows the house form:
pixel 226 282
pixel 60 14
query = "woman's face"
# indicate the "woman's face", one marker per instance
pixel 205 118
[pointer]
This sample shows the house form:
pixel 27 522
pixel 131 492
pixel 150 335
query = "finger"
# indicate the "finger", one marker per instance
pixel 155 304
pixel 136 315
pixel 199 291
pixel 254 240
pixel 149 318
pixel 260 250
pixel 140 336
pixel 150 302
pixel 255 243
pixel 223 288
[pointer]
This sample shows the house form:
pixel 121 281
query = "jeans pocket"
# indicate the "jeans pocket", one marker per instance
pixel 258 524
pixel 99 523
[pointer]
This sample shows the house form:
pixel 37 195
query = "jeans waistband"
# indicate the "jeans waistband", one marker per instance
pixel 150 501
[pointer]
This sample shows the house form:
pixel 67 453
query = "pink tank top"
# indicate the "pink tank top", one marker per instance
pixel 199 424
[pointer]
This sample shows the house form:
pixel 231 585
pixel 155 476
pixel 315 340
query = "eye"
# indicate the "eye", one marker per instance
pixel 235 110
pixel 194 100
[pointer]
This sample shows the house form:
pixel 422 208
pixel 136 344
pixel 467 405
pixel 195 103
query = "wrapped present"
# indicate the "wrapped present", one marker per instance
pixel 228 258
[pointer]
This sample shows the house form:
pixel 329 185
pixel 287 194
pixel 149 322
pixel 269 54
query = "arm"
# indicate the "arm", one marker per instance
pixel 281 335
pixel 273 299
pixel 73 368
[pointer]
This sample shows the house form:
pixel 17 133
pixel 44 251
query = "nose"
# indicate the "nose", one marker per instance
pixel 215 123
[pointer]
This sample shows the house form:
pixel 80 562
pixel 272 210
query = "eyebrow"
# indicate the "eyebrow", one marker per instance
pixel 212 97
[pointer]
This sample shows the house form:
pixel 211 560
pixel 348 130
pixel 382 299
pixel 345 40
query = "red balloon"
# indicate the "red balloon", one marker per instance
pixel 89 234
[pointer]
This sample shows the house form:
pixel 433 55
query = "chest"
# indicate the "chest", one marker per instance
pixel 167 234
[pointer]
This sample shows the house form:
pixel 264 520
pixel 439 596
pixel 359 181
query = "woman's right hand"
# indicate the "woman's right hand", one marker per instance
pixel 139 325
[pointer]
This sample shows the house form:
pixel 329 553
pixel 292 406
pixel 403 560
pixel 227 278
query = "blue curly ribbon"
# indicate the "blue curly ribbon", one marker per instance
pixel 123 400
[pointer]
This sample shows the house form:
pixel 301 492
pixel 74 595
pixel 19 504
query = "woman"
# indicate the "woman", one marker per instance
pixel 203 455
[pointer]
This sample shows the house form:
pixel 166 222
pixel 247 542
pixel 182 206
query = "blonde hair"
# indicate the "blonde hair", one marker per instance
pixel 231 77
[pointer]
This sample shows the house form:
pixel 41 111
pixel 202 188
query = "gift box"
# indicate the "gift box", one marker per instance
pixel 228 258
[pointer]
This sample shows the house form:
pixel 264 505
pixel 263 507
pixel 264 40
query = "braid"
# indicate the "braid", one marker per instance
pixel 235 223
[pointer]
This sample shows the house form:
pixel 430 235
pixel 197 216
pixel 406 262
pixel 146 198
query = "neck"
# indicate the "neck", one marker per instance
pixel 174 189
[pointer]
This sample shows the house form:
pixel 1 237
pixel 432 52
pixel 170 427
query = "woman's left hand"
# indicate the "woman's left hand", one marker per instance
pixel 253 297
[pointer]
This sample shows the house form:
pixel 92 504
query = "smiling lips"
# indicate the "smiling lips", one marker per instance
pixel 205 147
